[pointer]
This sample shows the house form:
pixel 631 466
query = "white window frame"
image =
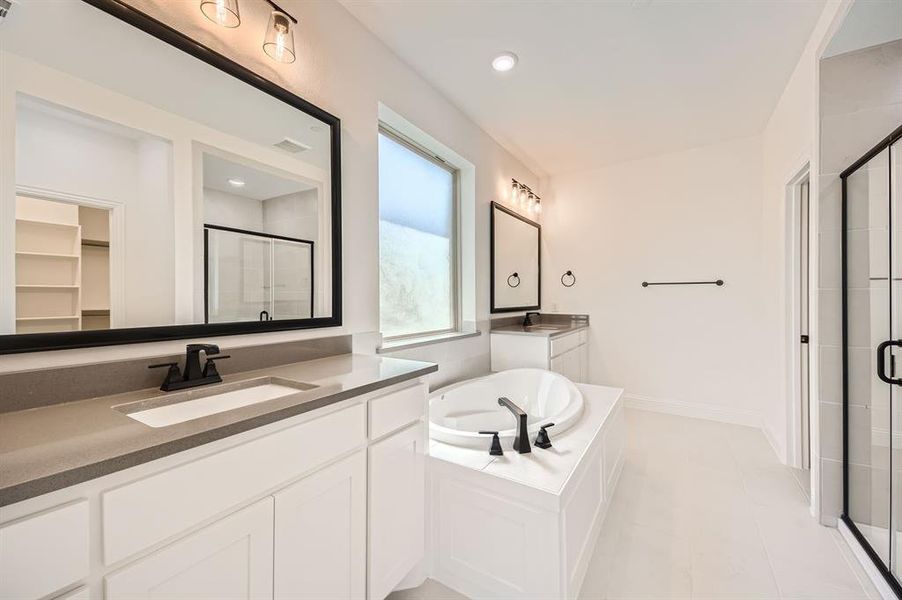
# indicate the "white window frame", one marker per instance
pixel 456 299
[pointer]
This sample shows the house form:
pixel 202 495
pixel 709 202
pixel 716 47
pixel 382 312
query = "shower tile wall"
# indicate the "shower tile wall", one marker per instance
pixel 860 103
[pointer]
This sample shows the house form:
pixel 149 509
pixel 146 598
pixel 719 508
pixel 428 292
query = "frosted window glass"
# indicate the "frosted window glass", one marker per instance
pixel 416 242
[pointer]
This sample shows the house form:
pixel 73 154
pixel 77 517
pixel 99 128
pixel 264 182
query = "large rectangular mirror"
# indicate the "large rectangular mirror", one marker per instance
pixel 152 189
pixel 515 262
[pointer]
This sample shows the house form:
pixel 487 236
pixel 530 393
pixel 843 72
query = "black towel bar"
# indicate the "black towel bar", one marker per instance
pixel 718 283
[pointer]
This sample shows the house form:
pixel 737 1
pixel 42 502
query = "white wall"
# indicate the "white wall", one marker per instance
pixel 232 210
pixel 691 215
pixel 346 70
pixel 77 157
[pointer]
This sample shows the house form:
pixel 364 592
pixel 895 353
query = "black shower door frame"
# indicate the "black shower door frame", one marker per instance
pixel 845 517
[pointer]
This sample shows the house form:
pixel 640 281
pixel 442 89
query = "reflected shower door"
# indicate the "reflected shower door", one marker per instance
pixel 239 276
pixel 870 358
pixel 892 172
pixel 292 279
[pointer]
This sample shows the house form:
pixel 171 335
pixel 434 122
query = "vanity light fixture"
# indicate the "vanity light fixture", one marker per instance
pixel 523 197
pixel 279 41
pixel 504 61
pixel 222 12
pixel 235 182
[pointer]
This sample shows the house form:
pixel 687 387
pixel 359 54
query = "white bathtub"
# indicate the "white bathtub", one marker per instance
pixel 458 412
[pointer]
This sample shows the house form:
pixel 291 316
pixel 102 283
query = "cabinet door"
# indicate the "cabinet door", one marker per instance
pixel 558 364
pixel 232 559
pixel 583 363
pixel 397 508
pixel 321 534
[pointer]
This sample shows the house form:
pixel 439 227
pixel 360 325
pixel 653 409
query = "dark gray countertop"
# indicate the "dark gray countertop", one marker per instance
pixel 543 330
pixel 49 448
pixel 549 325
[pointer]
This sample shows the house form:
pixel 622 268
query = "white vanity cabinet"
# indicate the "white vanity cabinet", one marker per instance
pixel 397 508
pixel 232 558
pixel 567 354
pixel 320 537
pixel 306 507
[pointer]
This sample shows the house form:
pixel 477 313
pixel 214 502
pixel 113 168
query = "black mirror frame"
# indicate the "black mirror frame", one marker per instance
pixel 494 309
pixel 36 342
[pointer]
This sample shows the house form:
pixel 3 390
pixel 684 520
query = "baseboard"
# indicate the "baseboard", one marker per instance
pixel 735 416
pixel 775 446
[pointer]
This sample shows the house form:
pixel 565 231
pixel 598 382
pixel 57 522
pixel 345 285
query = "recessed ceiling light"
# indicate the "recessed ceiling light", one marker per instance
pixel 236 182
pixel 504 61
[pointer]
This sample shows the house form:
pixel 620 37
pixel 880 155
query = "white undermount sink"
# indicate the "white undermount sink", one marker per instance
pixel 197 403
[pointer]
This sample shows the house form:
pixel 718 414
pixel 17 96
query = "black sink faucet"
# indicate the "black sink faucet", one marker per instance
pixel 192 359
pixel 527 320
pixel 521 438
pixel 194 374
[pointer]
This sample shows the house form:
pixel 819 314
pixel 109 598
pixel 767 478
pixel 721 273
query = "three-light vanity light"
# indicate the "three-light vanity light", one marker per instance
pixel 278 43
pixel 524 197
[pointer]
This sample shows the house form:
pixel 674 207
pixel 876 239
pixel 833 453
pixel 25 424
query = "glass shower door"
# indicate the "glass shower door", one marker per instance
pixel 292 279
pixel 894 441
pixel 239 276
pixel 870 362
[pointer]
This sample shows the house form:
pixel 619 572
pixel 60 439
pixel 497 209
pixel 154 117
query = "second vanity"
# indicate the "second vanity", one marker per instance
pixel 558 343
pixel 317 493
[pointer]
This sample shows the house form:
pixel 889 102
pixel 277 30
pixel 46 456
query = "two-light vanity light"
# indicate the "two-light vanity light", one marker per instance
pixel 524 197
pixel 279 40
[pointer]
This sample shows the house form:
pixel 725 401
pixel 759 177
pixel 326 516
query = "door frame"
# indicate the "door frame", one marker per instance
pixel 792 308
pixel 116 209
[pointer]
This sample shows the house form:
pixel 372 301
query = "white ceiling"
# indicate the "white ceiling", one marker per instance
pixel 602 81
pixel 258 184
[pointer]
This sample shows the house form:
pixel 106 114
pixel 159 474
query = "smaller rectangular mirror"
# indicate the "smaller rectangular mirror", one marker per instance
pixel 515 261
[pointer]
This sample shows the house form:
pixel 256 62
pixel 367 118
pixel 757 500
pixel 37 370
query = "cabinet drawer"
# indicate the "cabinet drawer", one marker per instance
pixel 145 512
pixel 564 343
pixel 394 411
pixel 44 553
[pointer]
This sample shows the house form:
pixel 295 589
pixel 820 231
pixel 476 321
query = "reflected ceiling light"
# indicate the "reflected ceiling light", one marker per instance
pixel 279 41
pixel 504 61
pixel 223 12
pixel 235 182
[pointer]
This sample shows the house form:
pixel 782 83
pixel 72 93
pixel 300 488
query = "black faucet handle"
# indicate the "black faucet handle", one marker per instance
pixel 542 439
pixel 210 365
pixel 173 375
pixel 496 449
pixel 161 365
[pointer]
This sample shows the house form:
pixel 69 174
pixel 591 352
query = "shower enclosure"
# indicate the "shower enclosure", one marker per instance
pixel 872 353
pixel 256 276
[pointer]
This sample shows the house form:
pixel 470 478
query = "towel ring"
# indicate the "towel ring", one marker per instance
pixel 513 276
pixel 572 279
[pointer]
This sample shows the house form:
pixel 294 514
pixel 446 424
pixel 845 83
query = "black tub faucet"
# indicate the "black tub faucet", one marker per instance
pixel 521 438
pixel 527 320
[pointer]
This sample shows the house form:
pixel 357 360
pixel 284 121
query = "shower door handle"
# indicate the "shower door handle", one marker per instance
pixel 881 362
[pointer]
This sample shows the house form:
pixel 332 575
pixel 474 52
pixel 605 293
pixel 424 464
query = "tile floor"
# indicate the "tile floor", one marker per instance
pixel 704 510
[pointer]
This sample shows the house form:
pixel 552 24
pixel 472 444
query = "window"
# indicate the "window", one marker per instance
pixel 418 249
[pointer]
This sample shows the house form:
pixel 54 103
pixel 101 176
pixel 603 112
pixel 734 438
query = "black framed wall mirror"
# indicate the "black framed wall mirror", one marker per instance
pixel 516 269
pixel 155 189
